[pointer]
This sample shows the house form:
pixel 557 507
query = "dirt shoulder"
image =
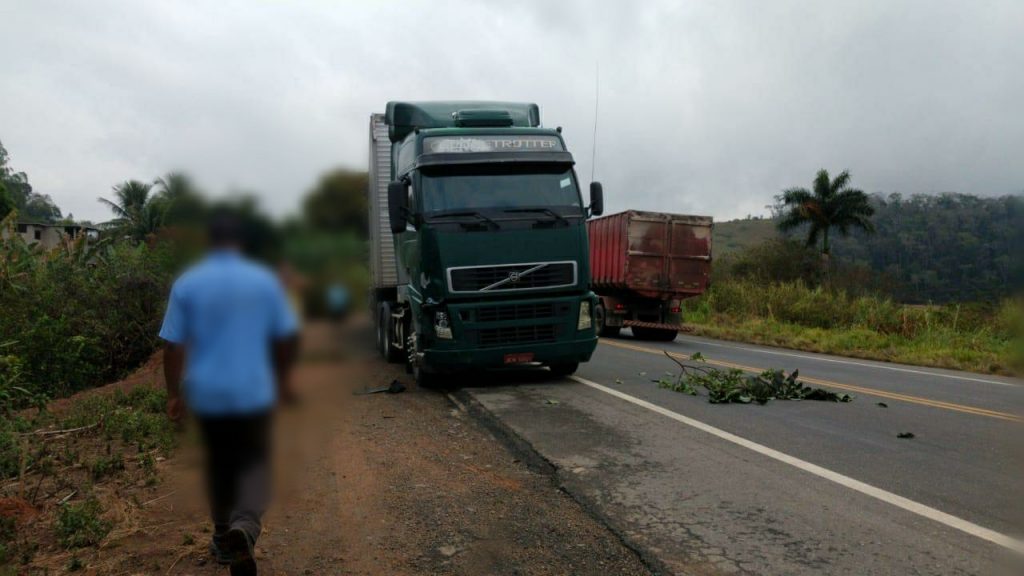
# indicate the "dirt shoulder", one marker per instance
pixel 367 484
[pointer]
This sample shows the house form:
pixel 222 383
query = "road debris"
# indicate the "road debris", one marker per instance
pixel 882 405
pixel 907 435
pixel 395 387
pixel 734 386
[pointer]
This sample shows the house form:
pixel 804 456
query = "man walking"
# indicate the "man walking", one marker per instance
pixel 230 329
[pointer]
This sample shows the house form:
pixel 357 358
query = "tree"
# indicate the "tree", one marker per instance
pixel 6 202
pixel 137 217
pixel 30 205
pixel 832 204
pixel 338 202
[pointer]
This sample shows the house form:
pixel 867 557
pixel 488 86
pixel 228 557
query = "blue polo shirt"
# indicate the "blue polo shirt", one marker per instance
pixel 227 311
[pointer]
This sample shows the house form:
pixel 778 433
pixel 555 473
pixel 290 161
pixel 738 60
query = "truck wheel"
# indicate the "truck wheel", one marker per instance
pixel 599 323
pixel 564 368
pixel 426 380
pixel 664 335
pixel 391 354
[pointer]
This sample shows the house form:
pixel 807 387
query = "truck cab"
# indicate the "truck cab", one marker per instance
pixel 489 241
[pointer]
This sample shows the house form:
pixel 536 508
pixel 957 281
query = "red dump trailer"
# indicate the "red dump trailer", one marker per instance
pixel 643 265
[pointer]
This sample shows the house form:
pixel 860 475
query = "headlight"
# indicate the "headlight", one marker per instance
pixel 441 326
pixel 585 322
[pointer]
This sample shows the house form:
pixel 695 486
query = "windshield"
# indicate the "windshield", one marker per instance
pixel 482 188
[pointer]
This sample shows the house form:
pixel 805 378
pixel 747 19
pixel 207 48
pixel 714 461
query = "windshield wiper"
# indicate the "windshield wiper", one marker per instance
pixel 472 213
pixel 558 217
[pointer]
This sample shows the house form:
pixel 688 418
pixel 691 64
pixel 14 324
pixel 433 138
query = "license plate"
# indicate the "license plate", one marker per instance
pixel 519 358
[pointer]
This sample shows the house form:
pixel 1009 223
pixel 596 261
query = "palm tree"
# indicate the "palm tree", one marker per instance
pixel 135 214
pixel 178 199
pixel 832 204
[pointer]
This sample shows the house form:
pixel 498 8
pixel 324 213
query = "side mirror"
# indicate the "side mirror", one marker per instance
pixel 397 198
pixel 596 199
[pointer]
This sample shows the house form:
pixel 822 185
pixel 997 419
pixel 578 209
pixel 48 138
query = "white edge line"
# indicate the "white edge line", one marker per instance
pixel 851 362
pixel 845 481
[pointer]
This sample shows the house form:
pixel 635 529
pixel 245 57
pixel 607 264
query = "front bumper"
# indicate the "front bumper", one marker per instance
pixel 486 333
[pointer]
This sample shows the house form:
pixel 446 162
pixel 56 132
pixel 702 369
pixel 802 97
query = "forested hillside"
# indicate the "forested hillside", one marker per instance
pixel 945 248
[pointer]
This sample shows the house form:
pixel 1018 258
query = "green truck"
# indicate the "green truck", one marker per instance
pixel 478 240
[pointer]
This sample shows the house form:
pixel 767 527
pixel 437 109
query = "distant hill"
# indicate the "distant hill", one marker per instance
pixel 937 248
pixel 735 235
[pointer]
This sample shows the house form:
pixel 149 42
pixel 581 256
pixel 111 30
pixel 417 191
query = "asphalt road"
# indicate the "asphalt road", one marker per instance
pixel 789 487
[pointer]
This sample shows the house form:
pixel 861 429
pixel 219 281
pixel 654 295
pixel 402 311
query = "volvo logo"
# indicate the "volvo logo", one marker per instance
pixel 513 277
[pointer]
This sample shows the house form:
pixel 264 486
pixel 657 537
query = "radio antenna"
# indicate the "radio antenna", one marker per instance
pixel 597 94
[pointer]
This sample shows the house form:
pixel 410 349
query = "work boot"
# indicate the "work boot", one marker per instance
pixel 240 546
pixel 218 549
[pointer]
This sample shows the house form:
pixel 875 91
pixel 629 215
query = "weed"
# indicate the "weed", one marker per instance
pixel 187 540
pixel 134 418
pixel 106 466
pixel 81 524
pixel 75 564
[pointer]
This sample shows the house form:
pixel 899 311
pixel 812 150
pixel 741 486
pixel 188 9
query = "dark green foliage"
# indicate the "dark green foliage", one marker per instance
pixel 338 203
pixel 81 524
pixel 6 202
pixel 79 316
pixel 947 248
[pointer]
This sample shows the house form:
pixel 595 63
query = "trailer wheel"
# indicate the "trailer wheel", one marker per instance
pixel 599 319
pixel 390 352
pixel 562 369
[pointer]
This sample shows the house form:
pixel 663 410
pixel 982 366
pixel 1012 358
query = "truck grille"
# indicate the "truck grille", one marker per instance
pixel 516 335
pixel 512 277
pixel 520 312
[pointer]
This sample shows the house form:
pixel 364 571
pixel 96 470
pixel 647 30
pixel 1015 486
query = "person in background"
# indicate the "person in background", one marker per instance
pixel 231 338
pixel 337 301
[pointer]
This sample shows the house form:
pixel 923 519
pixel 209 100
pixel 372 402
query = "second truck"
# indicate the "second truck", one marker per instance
pixel 479 248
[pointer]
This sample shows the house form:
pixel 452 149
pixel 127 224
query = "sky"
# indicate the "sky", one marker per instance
pixel 701 107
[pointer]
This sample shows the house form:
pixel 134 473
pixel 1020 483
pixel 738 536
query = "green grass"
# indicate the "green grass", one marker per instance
pixel 791 315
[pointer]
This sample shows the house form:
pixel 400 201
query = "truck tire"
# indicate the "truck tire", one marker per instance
pixel 599 323
pixel 423 378
pixel 562 369
pixel 655 334
pixel 387 323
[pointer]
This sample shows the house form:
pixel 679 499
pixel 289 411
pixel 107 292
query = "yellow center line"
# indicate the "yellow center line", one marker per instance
pixel 832 384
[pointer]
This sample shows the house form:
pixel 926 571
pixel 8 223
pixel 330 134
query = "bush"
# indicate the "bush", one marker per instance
pixel 79 315
pixel 81 524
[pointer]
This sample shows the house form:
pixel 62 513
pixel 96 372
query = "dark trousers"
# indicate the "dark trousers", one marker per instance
pixel 237 470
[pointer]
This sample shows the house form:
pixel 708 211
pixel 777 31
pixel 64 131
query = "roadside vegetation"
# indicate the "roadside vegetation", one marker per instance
pixel 926 281
pixel 973 337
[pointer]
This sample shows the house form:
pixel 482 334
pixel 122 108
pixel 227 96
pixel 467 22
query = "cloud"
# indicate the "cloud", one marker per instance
pixel 704 107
